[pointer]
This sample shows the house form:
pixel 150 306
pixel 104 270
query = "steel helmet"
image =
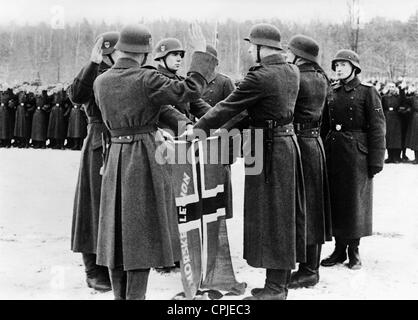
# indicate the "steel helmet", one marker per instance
pixel 265 34
pixel 347 55
pixel 165 46
pixel 135 38
pixel 109 41
pixel 304 47
pixel 211 49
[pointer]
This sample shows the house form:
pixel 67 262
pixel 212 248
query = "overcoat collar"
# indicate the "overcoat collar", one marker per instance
pixel 352 84
pixel 306 67
pixel 273 59
pixel 125 63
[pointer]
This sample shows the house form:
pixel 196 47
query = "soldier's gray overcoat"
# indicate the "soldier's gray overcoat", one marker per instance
pixel 308 112
pixel 274 213
pixel 412 133
pixel 356 140
pixel 138 219
pixel 87 195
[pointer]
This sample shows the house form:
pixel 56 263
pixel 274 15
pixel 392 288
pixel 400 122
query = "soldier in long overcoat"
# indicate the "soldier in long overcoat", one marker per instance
pixel 23 120
pixel 138 226
pixel 412 133
pixel 405 114
pixel 40 120
pixel 57 125
pixel 355 150
pixel 87 195
pixel 313 90
pixel 390 103
pixel 6 117
pixel 274 200
pixel 77 127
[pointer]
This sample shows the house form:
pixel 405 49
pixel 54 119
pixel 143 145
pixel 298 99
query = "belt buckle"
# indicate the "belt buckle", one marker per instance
pixel 338 127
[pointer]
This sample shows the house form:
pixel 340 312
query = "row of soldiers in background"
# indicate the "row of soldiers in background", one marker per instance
pixel 400 105
pixel 30 115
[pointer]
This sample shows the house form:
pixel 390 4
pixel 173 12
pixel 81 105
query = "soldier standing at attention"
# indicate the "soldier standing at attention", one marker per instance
pixel 314 85
pixel 390 103
pixel 40 120
pixel 355 151
pixel 412 134
pixel 87 195
pixel 57 127
pixel 274 203
pixel 23 122
pixel 6 116
pixel 77 127
pixel 138 227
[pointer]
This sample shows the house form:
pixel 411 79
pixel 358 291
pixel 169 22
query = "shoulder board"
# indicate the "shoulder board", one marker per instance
pixel 256 66
pixel 149 67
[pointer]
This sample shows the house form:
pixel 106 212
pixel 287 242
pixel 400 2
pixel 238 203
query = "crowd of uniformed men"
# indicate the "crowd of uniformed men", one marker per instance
pixel 32 114
pixel 324 141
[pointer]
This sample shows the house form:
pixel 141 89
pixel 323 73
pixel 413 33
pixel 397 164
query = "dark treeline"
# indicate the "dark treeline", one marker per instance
pixel 388 48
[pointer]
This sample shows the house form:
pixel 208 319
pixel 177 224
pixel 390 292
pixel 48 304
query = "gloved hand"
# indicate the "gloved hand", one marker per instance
pixel 373 170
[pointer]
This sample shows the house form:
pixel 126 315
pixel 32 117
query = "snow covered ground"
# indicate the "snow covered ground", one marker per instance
pixel 36 198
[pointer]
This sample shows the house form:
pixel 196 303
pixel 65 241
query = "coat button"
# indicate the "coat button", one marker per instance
pixel 128 137
pixel 351 119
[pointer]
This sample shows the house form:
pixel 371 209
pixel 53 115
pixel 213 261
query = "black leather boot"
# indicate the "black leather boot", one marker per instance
pixel 308 273
pixel 137 282
pixel 275 288
pixel 118 279
pixel 97 277
pixel 354 261
pixel 338 256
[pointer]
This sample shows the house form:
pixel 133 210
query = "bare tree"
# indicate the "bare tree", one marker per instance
pixel 353 24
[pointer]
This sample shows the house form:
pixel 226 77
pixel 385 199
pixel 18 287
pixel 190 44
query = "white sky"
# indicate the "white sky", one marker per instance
pixel 24 11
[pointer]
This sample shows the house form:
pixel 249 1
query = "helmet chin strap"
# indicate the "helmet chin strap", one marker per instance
pixel 258 54
pixel 166 66
pixel 295 59
pixel 111 59
pixel 351 73
pixel 144 59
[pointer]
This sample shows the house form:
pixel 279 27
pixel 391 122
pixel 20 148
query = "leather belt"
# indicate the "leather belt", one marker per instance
pixel 306 125
pixel 271 129
pixel 130 131
pixel 126 139
pixel 309 133
pixel 266 123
